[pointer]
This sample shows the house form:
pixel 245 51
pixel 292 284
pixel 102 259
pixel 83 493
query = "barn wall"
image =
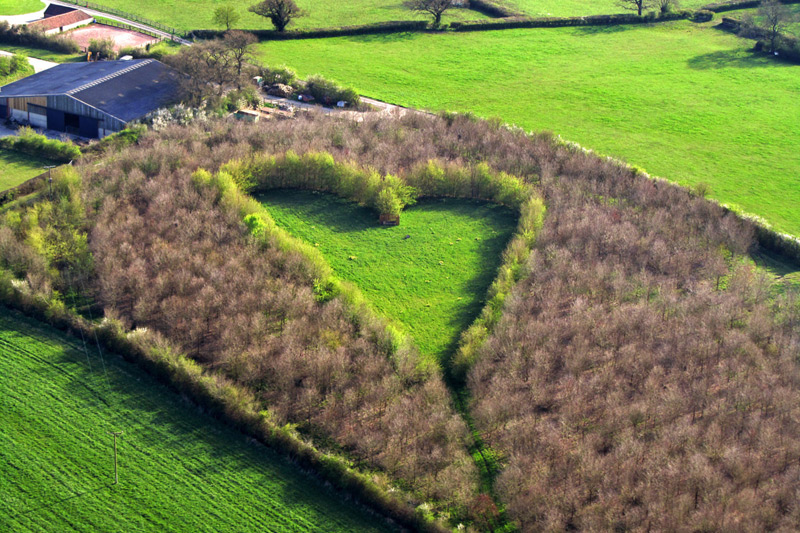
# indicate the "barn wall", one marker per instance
pixel 68 104
pixel 21 104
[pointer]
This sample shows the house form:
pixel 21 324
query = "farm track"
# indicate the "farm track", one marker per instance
pixel 97 13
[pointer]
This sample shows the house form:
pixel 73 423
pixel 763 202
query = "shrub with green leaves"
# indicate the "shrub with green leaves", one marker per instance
pixel 32 143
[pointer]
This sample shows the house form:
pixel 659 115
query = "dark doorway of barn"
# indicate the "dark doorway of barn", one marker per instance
pixel 72 123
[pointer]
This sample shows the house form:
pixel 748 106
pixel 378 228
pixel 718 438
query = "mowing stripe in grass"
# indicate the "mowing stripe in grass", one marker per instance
pixel 179 469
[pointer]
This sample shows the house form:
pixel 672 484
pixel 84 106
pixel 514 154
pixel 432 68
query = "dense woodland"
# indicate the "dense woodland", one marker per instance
pixel 643 377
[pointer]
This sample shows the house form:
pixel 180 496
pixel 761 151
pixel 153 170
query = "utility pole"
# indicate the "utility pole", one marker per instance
pixel 50 178
pixel 116 434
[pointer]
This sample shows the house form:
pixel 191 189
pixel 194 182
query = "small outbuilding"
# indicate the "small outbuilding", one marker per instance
pixel 61 22
pixel 90 99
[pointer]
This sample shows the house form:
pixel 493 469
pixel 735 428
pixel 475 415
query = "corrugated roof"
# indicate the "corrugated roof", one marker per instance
pixel 126 90
pixel 51 23
pixel 55 9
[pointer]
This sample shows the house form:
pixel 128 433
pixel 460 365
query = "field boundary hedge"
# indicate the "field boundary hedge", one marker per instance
pixel 24 36
pixel 493 9
pixel 29 142
pixel 787 47
pixel 560 22
pixel 739 4
pixel 377 28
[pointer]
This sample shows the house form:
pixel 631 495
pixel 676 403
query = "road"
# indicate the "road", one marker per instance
pixel 96 13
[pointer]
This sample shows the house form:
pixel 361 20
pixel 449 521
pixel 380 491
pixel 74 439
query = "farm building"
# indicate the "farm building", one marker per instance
pixel 62 21
pixel 90 99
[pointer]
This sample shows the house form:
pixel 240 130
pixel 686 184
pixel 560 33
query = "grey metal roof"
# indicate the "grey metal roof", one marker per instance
pixel 124 89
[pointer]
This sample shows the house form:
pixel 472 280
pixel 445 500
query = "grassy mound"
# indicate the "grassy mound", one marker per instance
pixel 179 470
pixel 430 273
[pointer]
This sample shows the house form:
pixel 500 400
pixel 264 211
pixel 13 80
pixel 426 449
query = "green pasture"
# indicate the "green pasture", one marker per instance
pixel 686 102
pixel 196 14
pixel 578 8
pixel 180 470
pixel 430 274
pixel 40 53
pixel 16 168
pixel 20 7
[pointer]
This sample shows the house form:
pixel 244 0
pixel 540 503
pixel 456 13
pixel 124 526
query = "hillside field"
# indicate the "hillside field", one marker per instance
pixel 686 102
pixel 19 7
pixel 185 15
pixel 180 470
pixel 16 168
pixel 403 277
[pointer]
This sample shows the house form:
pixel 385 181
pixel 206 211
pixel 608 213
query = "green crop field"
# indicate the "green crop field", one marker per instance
pixel 577 8
pixel 20 7
pixel 16 168
pixel 686 102
pixel 180 470
pixel 191 15
pixel 433 282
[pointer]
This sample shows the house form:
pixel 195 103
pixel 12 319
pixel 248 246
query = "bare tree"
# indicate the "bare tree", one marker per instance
pixel 226 16
pixel 434 7
pixel 280 12
pixel 635 5
pixel 775 17
pixel 239 45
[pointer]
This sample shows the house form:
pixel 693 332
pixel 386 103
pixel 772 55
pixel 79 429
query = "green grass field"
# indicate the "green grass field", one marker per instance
pixel 686 102
pixel 20 7
pixel 191 15
pixel 577 8
pixel 16 168
pixel 180 470
pixel 433 283
pixel 40 53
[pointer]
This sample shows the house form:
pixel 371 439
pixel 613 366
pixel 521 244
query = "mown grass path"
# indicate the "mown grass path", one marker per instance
pixel 686 102
pixel 180 470
pixel 430 274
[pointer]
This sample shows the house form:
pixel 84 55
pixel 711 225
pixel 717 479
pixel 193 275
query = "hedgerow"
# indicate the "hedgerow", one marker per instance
pixel 25 36
pixel 28 141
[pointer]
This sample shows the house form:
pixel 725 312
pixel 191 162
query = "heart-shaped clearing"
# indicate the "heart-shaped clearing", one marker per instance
pixel 430 273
